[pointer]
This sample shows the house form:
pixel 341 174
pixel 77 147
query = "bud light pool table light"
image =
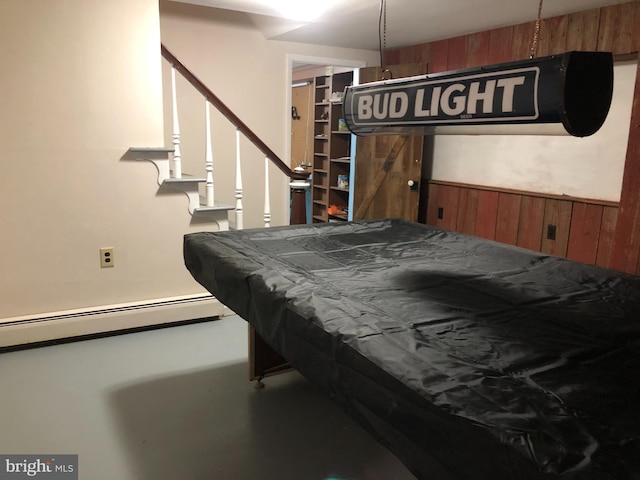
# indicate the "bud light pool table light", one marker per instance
pixel 555 95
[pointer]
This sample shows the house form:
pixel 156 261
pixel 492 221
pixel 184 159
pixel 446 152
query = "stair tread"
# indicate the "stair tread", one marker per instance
pixel 151 149
pixel 185 180
pixel 215 208
pixel 148 153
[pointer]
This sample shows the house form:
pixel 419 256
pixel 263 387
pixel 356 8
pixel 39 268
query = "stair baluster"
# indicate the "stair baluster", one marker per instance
pixel 267 203
pixel 208 158
pixel 239 221
pixel 177 159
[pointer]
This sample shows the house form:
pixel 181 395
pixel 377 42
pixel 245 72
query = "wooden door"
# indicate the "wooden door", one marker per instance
pixel 386 163
pixel 301 125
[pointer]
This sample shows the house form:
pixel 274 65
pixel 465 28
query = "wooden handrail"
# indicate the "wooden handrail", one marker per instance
pixel 229 115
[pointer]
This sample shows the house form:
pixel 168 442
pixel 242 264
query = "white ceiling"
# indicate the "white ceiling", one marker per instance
pixel 354 23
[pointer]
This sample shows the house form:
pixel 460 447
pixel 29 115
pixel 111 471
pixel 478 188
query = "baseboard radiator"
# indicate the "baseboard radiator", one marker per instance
pixel 66 324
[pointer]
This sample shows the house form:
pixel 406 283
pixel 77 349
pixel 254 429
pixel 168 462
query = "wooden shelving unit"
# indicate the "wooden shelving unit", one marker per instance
pixel 331 150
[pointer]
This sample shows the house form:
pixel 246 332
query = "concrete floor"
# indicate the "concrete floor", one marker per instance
pixel 175 403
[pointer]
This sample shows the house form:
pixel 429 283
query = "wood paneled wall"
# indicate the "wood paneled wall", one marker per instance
pixel 584 229
pixel 616 244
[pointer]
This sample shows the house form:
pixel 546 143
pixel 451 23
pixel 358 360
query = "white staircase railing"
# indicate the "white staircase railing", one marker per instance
pixel 208 203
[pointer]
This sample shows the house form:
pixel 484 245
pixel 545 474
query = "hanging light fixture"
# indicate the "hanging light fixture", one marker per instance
pixel 559 94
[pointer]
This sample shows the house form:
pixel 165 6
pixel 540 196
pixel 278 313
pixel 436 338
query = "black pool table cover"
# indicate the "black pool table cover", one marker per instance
pixel 468 358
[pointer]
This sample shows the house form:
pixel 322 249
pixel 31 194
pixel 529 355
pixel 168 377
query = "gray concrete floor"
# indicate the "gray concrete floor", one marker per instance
pixel 175 403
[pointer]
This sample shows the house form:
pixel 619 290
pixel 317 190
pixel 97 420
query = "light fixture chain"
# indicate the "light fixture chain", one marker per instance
pixel 384 28
pixel 536 34
pixel 382 38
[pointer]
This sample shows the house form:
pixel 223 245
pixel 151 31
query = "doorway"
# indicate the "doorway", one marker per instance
pixel 300 95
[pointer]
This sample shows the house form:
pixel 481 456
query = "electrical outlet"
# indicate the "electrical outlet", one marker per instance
pixel 106 257
pixel 551 232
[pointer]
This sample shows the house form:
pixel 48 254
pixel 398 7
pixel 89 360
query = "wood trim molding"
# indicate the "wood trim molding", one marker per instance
pixel 591 201
pixel 229 115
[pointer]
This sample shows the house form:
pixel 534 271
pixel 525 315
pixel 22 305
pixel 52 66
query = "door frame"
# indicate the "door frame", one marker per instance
pixel 307 59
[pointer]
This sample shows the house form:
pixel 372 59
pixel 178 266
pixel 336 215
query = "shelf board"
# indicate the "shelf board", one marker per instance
pixel 338 160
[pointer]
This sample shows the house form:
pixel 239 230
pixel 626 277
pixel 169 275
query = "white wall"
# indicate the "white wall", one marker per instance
pixel 590 167
pixel 80 85
pixel 248 73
